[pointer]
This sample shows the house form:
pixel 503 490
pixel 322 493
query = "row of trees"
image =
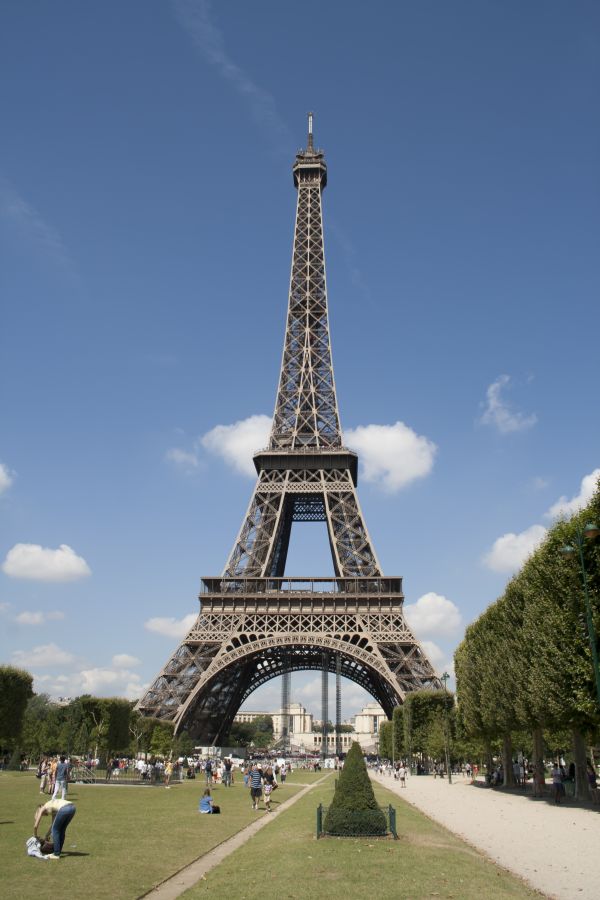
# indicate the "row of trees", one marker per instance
pixel 258 733
pixel 424 726
pixel 525 666
pixel 34 725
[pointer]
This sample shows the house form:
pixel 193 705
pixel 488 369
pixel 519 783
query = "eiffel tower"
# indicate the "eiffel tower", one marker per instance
pixel 254 623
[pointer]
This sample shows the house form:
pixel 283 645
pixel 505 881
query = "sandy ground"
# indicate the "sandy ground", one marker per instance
pixel 555 848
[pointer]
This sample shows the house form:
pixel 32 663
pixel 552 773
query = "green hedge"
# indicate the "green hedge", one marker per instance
pixel 354 810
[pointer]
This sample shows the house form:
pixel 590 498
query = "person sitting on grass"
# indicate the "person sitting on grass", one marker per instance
pixel 206 803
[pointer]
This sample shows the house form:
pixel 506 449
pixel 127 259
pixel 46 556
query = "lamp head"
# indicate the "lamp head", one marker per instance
pixel 591 530
pixel 567 550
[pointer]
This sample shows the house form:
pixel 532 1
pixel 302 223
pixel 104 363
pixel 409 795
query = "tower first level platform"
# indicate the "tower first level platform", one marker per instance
pixel 250 630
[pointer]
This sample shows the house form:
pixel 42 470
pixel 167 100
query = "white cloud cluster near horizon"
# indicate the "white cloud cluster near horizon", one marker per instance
pixel 565 507
pixel 6 478
pixel 433 615
pixel 43 656
pixel 118 679
pixel 509 552
pixel 499 414
pixel 392 456
pixel 99 681
pixel 36 563
pixel 170 627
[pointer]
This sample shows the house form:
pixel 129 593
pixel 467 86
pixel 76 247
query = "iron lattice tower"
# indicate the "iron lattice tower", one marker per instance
pixel 254 624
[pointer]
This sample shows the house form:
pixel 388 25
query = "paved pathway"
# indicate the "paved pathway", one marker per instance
pixel 188 876
pixel 555 848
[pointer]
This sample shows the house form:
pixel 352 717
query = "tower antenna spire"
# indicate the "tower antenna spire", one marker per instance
pixel 310 147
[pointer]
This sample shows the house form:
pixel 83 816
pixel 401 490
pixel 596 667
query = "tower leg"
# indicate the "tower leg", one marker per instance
pixel 338 704
pixel 285 712
pixel 324 704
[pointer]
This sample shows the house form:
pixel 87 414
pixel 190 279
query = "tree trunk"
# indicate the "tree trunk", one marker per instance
pixel 582 785
pixel 539 773
pixel 507 762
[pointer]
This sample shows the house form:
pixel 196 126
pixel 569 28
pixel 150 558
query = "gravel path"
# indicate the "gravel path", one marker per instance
pixel 555 848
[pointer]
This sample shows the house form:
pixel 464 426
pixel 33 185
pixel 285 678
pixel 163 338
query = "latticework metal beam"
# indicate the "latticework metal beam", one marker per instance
pixel 254 624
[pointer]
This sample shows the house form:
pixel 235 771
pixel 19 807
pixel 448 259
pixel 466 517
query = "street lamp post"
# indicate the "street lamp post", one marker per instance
pixel 445 678
pixel 590 531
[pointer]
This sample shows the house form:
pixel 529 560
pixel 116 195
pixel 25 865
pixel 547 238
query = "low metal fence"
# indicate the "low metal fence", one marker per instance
pixel 354 823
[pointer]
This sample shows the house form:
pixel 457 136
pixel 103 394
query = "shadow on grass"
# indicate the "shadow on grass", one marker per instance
pixel 7 821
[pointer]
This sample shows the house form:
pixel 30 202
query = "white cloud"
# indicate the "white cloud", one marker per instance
pixel 6 478
pixel 435 655
pixel 433 614
pixel 43 564
pixel 38 618
pixel 28 222
pixel 43 656
pixel 510 551
pixel 171 627
pixel 565 508
pixel 195 17
pixel 499 414
pixel 539 484
pixel 100 681
pixel 392 455
pixel 182 458
pixel 125 661
pixel 238 442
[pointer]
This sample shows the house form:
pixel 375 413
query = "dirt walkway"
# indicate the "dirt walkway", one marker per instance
pixel 188 876
pixel 555 848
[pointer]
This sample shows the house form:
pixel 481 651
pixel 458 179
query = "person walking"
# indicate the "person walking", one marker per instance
pixel 43 774
pixel 62 779
pixel 227 772
pixel 208 772
pixel 62 811
pixel 255 786
pixel 557 783
pixel 168 772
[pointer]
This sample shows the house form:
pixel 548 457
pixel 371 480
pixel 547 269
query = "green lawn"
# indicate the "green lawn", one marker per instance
pixel 284 861
pixel 122 841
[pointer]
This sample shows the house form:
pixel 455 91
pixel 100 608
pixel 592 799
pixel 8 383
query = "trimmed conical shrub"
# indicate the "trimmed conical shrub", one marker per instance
pixel 354 810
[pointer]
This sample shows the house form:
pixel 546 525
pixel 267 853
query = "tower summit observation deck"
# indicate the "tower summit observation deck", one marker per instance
pixel 254 623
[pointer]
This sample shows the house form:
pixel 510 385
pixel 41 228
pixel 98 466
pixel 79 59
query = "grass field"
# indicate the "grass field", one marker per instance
pixel 285 862
pixel 122 841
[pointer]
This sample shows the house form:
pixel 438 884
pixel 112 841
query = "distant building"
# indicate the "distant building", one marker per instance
pixel 249 716
pixel 304 739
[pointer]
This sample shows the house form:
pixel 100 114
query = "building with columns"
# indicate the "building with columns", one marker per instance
pixel 304 739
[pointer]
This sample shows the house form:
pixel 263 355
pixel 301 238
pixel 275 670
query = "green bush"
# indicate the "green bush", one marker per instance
pixel 354 810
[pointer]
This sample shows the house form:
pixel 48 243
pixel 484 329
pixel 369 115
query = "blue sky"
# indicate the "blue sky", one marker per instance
pixel 146 221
